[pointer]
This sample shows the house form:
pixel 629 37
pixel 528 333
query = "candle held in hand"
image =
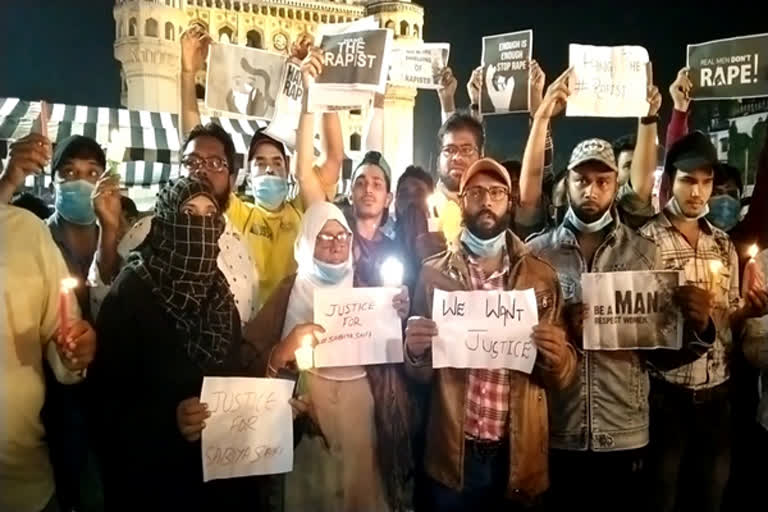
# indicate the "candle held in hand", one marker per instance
pixel 67 285
pixel 391 272
pixel 750 271
pixel 304 355
pixel 714 274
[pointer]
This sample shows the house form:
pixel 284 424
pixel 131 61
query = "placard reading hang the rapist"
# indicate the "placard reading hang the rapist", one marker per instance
pixel 361 327
pixel 250 430
pixel 729 68
pixel 632 310
pixel 288 107
pixel 506 72
pixel 418 65
pixel 608 81
pixel 484 329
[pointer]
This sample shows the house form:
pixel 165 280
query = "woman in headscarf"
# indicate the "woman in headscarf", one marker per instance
pixel 168 321
pixel 357 455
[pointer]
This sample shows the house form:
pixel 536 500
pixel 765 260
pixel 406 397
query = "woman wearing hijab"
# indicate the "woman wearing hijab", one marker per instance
pixel 358 457
pixel 168 321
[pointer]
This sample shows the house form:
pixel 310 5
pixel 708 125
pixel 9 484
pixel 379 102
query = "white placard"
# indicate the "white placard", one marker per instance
pixel 287 107
pixel 608 81
pixel 361 327
pixel 418 65
pixel 243 80
pixel 250 431
pixel 632 310
pixel 484 329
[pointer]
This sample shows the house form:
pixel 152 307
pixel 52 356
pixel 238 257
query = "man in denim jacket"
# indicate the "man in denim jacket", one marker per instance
pixel 600 422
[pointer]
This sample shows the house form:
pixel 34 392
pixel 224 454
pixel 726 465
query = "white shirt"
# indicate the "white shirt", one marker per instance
pixel 234 261
pixel 31 270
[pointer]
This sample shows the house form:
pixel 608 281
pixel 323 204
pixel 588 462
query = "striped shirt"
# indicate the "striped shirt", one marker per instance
pixel 712 368
pixel 487 402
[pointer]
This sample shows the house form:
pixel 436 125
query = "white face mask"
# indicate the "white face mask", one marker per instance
pixel 588 227
pixel 673 207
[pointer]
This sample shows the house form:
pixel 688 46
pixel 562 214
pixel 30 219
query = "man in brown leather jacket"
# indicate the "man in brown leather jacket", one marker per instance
pixel 488 430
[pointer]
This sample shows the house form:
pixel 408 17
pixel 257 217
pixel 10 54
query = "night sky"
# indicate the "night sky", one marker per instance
pixel 61 50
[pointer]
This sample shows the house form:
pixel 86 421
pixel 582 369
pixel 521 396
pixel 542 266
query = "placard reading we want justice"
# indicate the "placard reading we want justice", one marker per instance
pixel 484 329
pixel 361 327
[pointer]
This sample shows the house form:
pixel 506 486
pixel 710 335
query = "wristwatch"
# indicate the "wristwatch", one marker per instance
pixel 649 119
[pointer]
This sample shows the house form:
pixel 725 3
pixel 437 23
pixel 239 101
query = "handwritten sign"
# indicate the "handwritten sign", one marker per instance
pixel 418 65
pixel 632 310
pixel 361 327
pixel 287 107
pixel 608 81
pixel 243 80
pixel 729 68
pixel 506 79
pixel 482 329
pixel 250 431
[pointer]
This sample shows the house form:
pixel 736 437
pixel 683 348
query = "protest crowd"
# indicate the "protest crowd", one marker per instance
pixel 487 335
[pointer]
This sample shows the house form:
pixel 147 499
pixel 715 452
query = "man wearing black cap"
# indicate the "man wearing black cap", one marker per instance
pixel 690 421
pixel 270 226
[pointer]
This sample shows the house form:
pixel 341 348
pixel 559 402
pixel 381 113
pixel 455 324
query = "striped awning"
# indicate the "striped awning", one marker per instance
pixel 148 137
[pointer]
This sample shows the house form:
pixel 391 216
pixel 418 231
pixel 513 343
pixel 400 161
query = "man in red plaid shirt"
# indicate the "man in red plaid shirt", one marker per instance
pixel 488 430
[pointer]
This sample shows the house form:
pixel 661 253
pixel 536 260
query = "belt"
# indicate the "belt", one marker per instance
pixel 694 396
pixel 485 448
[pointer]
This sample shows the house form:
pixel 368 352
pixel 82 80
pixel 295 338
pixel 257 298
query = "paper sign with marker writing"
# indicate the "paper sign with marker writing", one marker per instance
pixel 729 68
pixel 287 107
pixel 608 81
pixel 361 327
pixel 418 65
pixel 484 329
pixel 250 431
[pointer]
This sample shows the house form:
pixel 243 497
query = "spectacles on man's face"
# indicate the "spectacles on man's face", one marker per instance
pixel 452 150
pixel 327 240
pixel 477 194
pixel 213 163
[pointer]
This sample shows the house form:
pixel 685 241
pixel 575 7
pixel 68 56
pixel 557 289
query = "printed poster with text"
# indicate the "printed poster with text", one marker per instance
pixel 485 329
pixel 287 107
pixel 729 68
pixel 632 310
pixel 418 65
pixel 250 431
pixel 608 81
pixel 243 80
pixel 506 72
pixel 361 327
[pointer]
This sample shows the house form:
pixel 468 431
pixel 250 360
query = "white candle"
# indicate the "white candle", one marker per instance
pixel 714 274
pixel 305 355
pixel 67 285
pixel 750 271
pixel 391 272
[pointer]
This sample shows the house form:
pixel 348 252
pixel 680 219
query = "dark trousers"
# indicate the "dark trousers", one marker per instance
pixel 486 473
pixel 617 475
pixel 690 451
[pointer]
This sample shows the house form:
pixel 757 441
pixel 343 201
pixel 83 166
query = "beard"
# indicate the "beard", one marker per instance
pixel 500 224
pixel 451 183
pixel 589 217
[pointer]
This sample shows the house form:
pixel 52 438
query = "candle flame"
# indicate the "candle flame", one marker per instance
pixel 715 266
pixel 306 342
pixel 391 272
pixel 753 250
pixel 68 284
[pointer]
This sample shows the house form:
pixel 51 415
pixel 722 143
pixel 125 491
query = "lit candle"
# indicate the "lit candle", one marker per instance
pixel 750 271
pixel 304 355
pixel 391 272
pixel 44 118
pixel 115 150
pixel 67 285
pixel 433 220
pixel 714 274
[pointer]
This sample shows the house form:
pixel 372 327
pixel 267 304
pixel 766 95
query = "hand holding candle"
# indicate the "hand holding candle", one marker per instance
pixel 305 355
pixel 751 272
pixel 65 296
pixel 715 266
pixel 297 346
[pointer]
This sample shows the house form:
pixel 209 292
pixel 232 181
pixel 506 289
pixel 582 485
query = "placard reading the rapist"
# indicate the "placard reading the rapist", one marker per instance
pixel 608 81
pixel 729 68
pixel 484 329
pixel 250 431
pixel 506 70
pixel 361 327
pixel 632 310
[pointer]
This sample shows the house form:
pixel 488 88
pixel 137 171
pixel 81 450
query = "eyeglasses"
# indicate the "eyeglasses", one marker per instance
pixel 451 150
pixel 342 238
pixel 477 194
pixel 213 163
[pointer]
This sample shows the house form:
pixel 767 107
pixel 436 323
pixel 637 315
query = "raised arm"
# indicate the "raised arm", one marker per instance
pixel 29 156
pixel 680 91
pixel 194 50
pixel 534 160
pixel 447 93
pixel 645 158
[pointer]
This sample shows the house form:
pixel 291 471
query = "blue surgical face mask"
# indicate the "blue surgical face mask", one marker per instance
pixel 73 201
pixel 588 227
pixel 330 273
pixel 269 191
pixel 483 248
pixel 724 212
